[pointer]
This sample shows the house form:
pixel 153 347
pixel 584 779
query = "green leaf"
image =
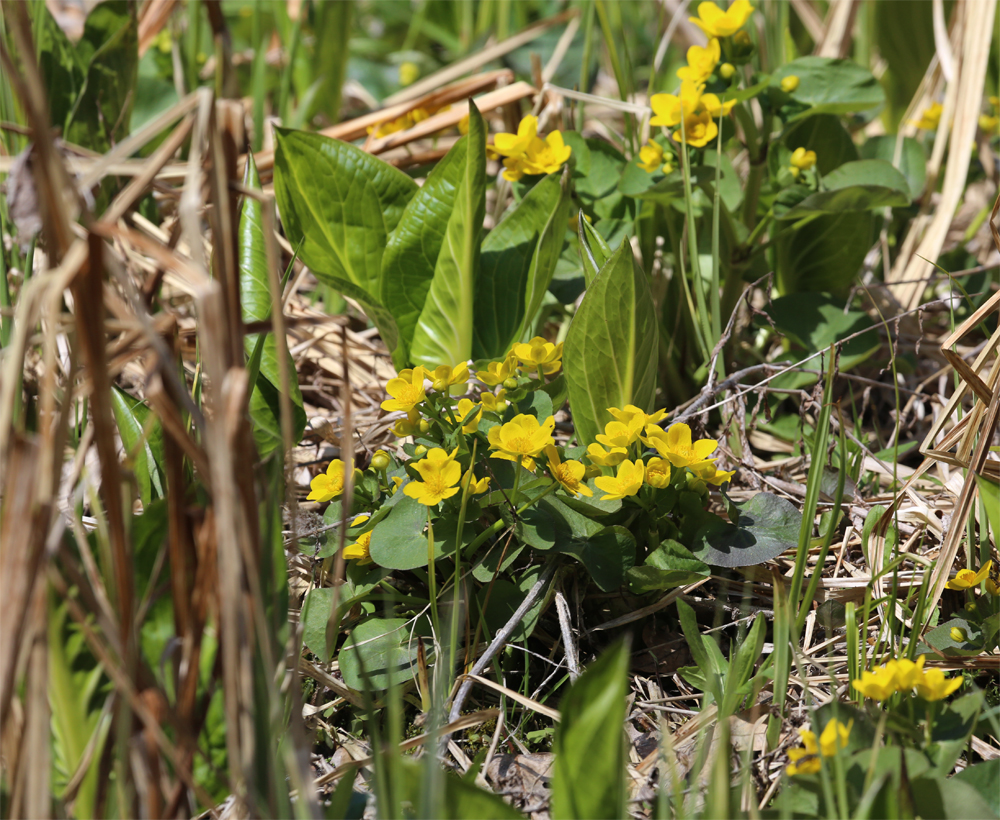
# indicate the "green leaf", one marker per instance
pixel 948 798
pixel 768 525
pixel 518 259
pixel 255 298
pixel 611 350
pixel 824 256
pixel 829 86
pixel 983 777
pixel 594 251
pixel 903 33
pixel 952 727
pixel 607 554
pixel 940 638
pixel 501 600
pixel 588 777
pixel 730 188
pixel 144 449
pixel 332 31
pixel 817 320
pixel 443 334
pixel 378 654
pixel 912 159
pixel 824 134
pixel 341 203
pixel 989 493
pixel 669 566
pixel 864 185
pixel 110 50
pixel 62 71
pixel 399 540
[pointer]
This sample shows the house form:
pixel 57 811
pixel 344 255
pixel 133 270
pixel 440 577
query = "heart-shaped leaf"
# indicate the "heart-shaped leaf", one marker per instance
pixel 768 525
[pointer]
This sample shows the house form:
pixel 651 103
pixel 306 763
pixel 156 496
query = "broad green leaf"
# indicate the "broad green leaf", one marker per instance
pixel 824 256
pixel 588 777
pixel 903 33
pixel 594 251
pixel 414 246
pixel 341 203
pixel 983 777
pixel 142 438
pixel 62 72
pixel 443 334
pixel 864 185
pixel 741 662
pixel 457 798
pixel 255 298
pixel 952 727
pixel 768 525
pixel 332 31
pixel 607 555
pixel 940 638
pixel 610 355
pixel 829 86
pixel 517 260
pixel 378 653
pixel 989 492
pixel 399 540
pixel 947 798
pixel 912 159
pixel 730 188
pixel 670 565
pixel 817 320
pixel 109 49
pixel 824 134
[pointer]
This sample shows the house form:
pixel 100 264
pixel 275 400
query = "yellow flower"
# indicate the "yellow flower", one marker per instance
pixel 675 444
pixel 604 458
pixel 475 487
pixel 493 403
pixel 498 372
pixel 521 438
pixel 539 354
pixel 465 407
pixel 463 125
pixel 542 157
pixel 360 549
pixel 933 685
pixel 636 419
pixel 957 634
pixel 802 160
pixel 992 587
pixel 397 482
pixel 718 23
pixel 877 685
pixel 651 156
pixel 667 107
pixel 444 377
pixel 328 485
pixel 809 755
pixel 995 102
pixel 407 390
pixel 967 579
pixel 930 119
pixel 568 473
pixel 710 474
pixel 627 482
pixel 516 145
pixel 408 426
pixel 408 73
pixel 789 83
pixel 726 71
pixel 989 124
pixel 658 472
pixel 701 62
pixel 440 473
pixel 907 672
pixel 834 737
pixel 617 435
pixel 697 130
pixel 711 104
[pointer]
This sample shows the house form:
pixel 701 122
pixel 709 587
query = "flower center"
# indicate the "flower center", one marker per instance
pixel 520 445
pixel 409 395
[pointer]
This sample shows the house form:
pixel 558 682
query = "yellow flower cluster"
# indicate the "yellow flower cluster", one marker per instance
pixel 930 118
pixel 405 121
pixel 802 160
pixel 805 760
pixel 970 579
pixel 652 159
pixel 990 123
pixel 904 675
pixel 527 153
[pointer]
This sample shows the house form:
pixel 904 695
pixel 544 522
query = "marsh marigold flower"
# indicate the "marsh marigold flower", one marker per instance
pixel 628 481
pixel 907 672
pixel 539 354
pixel 328 485
pixel 701 62
pixel 606 458
pixel 408 73
pixel 930 118
pixel 658 472
pixel 712 104
pixel 444 377
pixel 806 760
pixel 521 438
pixel 933 685
pixel 789 83
pixel 802 160
pixel 968 579
pixel 407 390
pixel 635 418
pixel 570 474
pixel 667 107
pixel 498 372
pixel 465 406
pixel 440 473
pixel 515 145
pixel 675 444
pixel 475 487
pixel 877 685
pixel 718 23
pixel 697 130
pixel 360 549
pixel 651 158
pixel 710 474
pixel 617 435
pixel 493 403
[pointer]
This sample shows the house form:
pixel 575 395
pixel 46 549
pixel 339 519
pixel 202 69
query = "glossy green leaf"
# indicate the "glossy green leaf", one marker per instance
pixel 610 355
pixel 518 259
pixel 341 203
pixel 669 566
pixel 109 49
pixel 864 185
pixel 830 86
pixel 940 638
pixel 594 251
pixel 399 541
pixel 768 525
pixel 444 330
pixel 588 777
pixel 947 798
pixel 378 653
pixel 255 298
pixel 912 160
pixel 144 450
pixel 817 320
pixel 824 134
pixel 826 255
pixel 984 777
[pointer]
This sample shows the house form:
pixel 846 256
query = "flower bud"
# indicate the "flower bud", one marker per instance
pixel 510 384
pixel 958 634
pixel 419 450
pixel 424 426
pixel 726 71
pixel 789 83
pixel 381 461
pixel 440 385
